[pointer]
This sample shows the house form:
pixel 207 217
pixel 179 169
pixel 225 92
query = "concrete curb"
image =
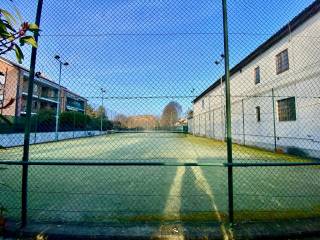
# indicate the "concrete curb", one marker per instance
pixel 296 229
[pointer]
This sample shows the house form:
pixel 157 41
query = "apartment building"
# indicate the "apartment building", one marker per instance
pixel 14 85
pixel 275 92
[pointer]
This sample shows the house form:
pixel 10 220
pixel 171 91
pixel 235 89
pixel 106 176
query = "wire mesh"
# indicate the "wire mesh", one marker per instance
pixel 276 193
pixel 143 82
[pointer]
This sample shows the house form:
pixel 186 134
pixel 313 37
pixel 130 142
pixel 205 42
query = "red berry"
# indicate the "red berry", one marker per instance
pixel 21 32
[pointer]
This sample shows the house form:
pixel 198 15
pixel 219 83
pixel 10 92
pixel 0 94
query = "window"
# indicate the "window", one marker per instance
pixel 2 78
pixel 35 89
pixel 203 104
pixel 258 114
pixel 257 75
pixel 287 109
pixel 282 60
pixel 34 105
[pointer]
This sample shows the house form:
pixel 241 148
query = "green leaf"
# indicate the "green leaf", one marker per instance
pixel 19 53
pixel 10 19
pixel 33 27
pixel 3 26
pixel 10 37
pixel 5 34
pixel 8 26
pixel 3 118
pixel 21 42
pixel 28 40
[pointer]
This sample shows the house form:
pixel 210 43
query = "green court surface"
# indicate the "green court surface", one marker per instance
pixel 115 194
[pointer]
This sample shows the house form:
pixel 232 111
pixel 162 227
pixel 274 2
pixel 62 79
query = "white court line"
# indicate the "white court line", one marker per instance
pixel 173 204
pixel 203 184
pixel 175 190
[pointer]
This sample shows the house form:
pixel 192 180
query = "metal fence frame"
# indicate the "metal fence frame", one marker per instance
pixel 25 163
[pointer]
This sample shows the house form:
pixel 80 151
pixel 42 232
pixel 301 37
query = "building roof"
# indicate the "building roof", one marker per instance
pixel 23 68
pixel 41 77
pixel 74 94
pixel 296 22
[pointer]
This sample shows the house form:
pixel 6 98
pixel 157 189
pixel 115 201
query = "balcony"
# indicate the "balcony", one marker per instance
pixel 44 97
pixel 24 111
pixel 73 108
pixel 25 93
pixel 48 98
pixel 74 105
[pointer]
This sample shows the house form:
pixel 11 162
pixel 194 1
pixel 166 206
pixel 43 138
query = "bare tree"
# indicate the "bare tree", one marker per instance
pixel 146 122
pixel 101 111
pixel 122 120
pixel 90 111
pixel 171 114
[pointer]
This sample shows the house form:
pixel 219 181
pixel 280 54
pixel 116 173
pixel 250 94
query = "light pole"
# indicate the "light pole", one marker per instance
pixel 218 62
pixel 101 117
pixel 61 63
pixel 38 75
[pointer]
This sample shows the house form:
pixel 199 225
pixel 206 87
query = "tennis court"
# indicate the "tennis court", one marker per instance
pixel 171 192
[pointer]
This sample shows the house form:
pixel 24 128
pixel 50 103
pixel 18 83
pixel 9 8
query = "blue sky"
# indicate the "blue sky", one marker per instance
pixel 153 48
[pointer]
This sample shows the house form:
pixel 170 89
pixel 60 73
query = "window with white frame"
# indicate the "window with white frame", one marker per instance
pixel 287 109
pixel 282 61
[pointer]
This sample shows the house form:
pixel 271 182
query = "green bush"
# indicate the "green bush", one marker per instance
pixel 77 121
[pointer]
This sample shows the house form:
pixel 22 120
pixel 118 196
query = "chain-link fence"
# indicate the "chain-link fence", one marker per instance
pixel 125 113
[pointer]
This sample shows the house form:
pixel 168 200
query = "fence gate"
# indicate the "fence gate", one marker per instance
pixel 171 113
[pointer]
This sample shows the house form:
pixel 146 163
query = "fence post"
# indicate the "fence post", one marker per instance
pixel 74 123
pixel 228 110
pixel 274 122
pixel 199 124
pixel 193 125
pixel 213 133
pixel 26 144
pixel 210 118
pixel 85 123
pixel 243 122
pixel 205 124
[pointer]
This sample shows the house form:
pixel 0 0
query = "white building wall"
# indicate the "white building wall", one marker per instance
pixel 190 126
pixel 301 81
